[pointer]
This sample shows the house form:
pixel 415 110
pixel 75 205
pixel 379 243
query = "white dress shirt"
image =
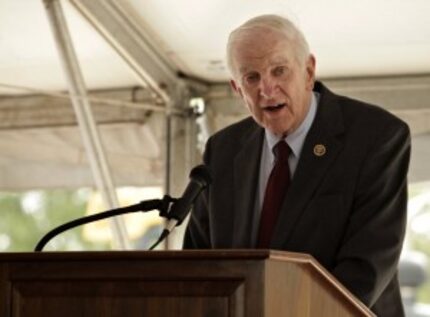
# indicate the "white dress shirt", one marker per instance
pixel 295 141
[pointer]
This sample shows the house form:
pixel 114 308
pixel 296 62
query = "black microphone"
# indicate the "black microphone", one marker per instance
pixel 200 178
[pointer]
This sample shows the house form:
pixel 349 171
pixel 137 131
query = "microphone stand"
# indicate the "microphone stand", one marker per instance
pixel 163 205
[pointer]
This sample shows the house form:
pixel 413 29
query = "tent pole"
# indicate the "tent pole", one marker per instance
pixel 89 132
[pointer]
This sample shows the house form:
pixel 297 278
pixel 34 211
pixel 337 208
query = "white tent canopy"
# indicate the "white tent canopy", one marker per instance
pixel 367 49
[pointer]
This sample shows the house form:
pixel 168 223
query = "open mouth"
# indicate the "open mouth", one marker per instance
pixel 275 107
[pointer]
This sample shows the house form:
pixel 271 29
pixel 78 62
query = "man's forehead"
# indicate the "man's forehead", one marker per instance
pixel 246 64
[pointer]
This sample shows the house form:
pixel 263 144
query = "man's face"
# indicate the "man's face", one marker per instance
pixel 275 87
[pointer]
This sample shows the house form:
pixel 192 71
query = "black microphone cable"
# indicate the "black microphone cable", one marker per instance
pixel 175 210
pixel 162 205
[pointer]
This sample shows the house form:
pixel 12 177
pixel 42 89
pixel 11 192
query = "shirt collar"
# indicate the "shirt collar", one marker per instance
pixel 296 139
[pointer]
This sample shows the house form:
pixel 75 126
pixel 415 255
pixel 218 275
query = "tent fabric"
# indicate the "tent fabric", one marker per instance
pixel 56 158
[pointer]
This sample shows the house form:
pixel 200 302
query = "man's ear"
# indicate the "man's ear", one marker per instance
pixel 236 87
pixel 310 72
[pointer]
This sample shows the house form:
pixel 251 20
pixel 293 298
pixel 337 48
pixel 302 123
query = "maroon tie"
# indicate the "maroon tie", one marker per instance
pixel 276 188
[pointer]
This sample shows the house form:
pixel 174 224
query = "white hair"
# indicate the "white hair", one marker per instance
pixel 276 23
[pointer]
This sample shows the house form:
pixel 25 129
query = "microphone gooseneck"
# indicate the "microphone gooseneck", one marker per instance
pixel 175 210
pixel 161 204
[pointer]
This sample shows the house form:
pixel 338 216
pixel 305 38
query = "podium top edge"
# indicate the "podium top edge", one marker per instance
pixel 224 254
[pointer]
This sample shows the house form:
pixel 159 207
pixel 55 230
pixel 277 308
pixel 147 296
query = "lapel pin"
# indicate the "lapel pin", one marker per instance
pixel 319 150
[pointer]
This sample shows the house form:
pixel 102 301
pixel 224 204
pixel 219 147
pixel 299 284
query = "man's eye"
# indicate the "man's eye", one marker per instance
pixel 252 78
pixel 280 70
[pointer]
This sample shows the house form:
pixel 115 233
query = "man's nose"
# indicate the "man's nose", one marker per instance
pixel 267 88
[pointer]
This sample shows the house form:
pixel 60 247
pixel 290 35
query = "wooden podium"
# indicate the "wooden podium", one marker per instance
pixel 246 283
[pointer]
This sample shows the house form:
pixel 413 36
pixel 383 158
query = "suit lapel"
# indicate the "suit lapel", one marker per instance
pixel 312 168
pixel 246 167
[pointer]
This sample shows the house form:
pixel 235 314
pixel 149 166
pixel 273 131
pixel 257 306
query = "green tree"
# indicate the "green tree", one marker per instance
pixel 27 216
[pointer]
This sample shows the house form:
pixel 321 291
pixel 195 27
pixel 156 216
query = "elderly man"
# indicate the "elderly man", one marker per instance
pixel 310 172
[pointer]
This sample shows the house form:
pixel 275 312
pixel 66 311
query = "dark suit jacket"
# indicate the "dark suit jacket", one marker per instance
pixel 346 208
